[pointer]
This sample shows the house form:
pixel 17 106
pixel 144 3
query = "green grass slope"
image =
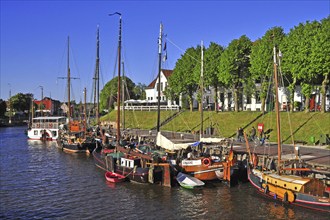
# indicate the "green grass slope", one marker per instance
pixel 302 125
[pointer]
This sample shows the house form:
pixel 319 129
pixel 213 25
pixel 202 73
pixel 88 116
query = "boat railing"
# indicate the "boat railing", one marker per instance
pixel 45 125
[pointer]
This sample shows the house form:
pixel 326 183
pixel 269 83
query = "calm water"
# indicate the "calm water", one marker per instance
pixel 39 181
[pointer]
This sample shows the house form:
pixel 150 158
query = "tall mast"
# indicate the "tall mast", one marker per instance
pixel 68 86
pixel 159 72
pixel 123 95
pixel 85 113
pixel 118 87
pixel 9 105
pixel 279 147
pixel 97 78
pixel 202 87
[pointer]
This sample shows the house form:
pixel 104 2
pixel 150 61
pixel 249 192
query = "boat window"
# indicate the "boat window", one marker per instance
pixel 35 132
pixel 284 185
pixel 295 188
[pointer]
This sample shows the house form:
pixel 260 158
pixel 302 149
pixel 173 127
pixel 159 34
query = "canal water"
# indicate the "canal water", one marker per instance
pixel 39 181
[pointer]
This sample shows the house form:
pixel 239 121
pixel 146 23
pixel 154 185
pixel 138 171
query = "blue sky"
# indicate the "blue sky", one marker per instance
pixel 34 37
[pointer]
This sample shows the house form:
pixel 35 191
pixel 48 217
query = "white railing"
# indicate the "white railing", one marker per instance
pixel 150 108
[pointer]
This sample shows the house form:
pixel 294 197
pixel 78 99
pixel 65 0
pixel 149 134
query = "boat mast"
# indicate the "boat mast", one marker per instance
pixel 278 124
pixel 85 113
pixel 123 96
pixel 9 105
pixel 202 80
pixel 159 72
pixel 68 86
pixel 97 79
pixel 118 87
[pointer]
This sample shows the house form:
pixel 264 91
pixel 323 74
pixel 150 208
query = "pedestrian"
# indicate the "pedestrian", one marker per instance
pixel 240 134
pixel 253 133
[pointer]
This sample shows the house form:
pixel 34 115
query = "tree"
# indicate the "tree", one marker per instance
pixel 298 50
pixel 211 72
pixel 3 108
pixel 108 94
pixel 139 91
pixel 319 57
pixel 186 74
pixel 234 64
pixel 261 60
pixel 21 102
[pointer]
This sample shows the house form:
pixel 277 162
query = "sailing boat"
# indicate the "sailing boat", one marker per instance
pixel 304 191
pixel 126 159
pixel 74 140
pixel 209 162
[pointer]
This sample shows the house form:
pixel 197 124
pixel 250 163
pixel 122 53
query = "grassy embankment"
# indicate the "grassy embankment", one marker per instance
pixel 303 125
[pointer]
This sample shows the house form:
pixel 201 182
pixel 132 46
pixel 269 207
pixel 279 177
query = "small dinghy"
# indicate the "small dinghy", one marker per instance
pixel 114 177
pixel 188 182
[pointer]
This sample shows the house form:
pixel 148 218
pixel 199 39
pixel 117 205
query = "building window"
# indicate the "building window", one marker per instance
pixel 161 87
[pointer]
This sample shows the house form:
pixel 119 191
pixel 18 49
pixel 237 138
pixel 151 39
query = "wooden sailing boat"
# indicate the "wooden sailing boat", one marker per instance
pixel 304 191
pixel 74 139
pixel 125 160
pixel 208 166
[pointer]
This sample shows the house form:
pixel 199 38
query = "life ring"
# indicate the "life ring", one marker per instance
pixel 206 162
pixel 50 125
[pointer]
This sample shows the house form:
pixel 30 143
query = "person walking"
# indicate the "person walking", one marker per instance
pixel 253 133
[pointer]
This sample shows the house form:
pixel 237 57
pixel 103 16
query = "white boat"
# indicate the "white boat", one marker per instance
pixel 46 128
pixel 187 181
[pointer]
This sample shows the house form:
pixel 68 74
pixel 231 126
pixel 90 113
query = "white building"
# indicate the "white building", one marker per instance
pixel 152 89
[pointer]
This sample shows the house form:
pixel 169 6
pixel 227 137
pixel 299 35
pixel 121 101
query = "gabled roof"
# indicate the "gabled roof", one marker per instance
pixel 167 73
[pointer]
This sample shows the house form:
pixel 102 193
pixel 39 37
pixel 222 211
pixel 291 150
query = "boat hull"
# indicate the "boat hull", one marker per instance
pixel 300 199
pixel 108 162
pixel 188 182
pixel 202 172
pixel 114 177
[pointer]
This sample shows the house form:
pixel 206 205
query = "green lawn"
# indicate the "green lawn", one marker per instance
pixel 303 125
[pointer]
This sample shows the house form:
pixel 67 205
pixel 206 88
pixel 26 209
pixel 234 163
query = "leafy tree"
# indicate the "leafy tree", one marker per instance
pixel 21 102
pixel 186 74
pixel 319 57
pixel 211 71
pixel 234 64
pixel 108 94
pixel 139 91
pixel 297 56
pixel 261 60
pixel 3 107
